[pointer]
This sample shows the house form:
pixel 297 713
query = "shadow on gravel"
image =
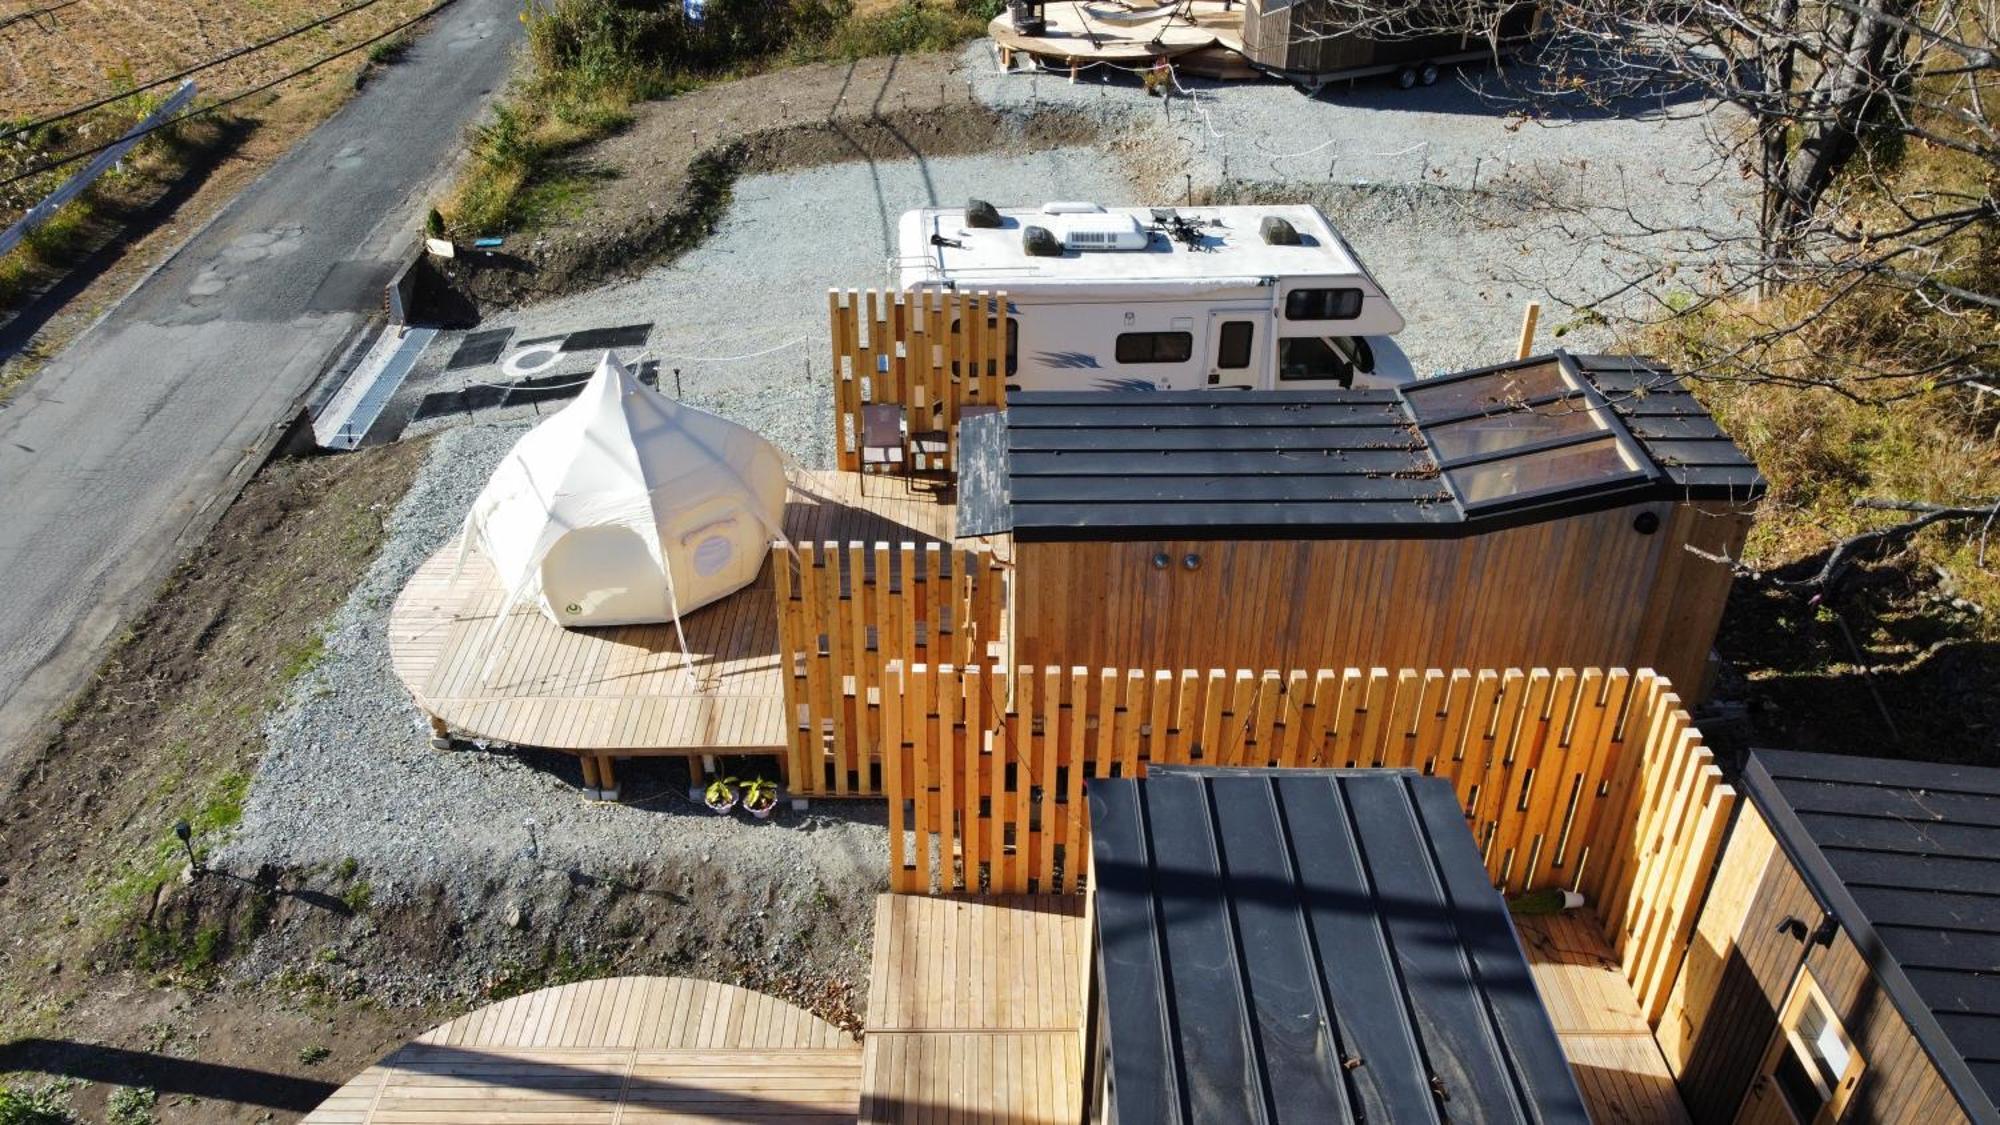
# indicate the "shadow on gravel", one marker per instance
pixel 92 1062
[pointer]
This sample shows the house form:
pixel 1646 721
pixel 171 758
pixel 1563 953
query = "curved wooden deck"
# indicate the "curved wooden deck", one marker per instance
pixel 631 1050
pixel 1081 32
pixel 625 690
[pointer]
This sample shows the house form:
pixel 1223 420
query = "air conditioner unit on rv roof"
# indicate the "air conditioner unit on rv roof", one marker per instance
pixel 1102 232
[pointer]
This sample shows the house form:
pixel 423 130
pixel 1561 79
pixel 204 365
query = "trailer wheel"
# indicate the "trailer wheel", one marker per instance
pixel 1428 75
pixel 1406 78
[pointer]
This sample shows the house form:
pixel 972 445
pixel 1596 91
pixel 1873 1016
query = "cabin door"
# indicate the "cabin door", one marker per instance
pixel 1236 348
pixel 1810 1066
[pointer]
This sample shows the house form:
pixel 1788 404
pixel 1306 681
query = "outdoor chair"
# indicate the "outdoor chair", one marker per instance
pixel 882 440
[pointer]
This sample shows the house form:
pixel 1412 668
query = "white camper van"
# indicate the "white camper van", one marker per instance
pixel 1107 298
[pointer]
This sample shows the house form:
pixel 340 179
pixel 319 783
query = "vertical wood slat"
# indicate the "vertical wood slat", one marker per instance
pixel 845 612
pixel 1535 756
pixel 900 348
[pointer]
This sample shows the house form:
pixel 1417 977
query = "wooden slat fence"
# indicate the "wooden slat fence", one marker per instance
pixel 845 612
pixel 901 348
pixel 1590 780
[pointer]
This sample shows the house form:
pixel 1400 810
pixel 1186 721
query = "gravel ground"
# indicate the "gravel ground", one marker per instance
pixel 349 772
pixel 760 282
pixel 1463 206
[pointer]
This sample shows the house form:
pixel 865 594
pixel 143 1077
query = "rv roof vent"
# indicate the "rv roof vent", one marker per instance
pixel 1104 232
pixel 1072 207
pixel 1039 243
pixel 1278 232
pixel 979 213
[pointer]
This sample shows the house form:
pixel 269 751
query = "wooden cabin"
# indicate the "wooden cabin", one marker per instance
pixel 1557 511
pixel 1307 945
pixel 1846 965
pixel 1316 40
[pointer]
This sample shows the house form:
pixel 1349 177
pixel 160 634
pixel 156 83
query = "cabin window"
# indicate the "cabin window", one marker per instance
pixel 1013 344
pixel 1813 1065
pixel 1322 358
pixel 1323 304
pixel 1232 352
pixel 1155 347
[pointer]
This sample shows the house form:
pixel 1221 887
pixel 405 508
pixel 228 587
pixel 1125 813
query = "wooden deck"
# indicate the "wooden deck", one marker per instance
pixel 1618 1064
pixel 975 1010
pixel 1083 32
pixel 630 1050
pixel 624 690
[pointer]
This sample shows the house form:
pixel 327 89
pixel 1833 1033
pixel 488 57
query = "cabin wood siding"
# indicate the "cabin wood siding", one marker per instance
pixel 1729 999
pixel 1741 967
pixel 1900 1083
pixel 1579 591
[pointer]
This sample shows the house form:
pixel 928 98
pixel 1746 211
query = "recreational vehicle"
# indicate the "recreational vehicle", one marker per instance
pixel 1170 299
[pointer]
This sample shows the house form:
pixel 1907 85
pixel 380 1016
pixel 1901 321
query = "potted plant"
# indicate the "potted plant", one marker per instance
pixel 761 797
pixel 720 796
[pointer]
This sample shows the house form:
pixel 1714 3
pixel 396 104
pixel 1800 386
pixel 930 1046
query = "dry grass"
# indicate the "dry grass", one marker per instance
pixel 98 47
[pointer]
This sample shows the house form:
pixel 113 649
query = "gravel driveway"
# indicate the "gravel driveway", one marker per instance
pixel 348 773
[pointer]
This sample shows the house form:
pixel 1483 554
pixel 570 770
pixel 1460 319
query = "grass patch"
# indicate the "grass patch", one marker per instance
pixel 358 896
pixel 593 60
pixel 131 1105
pixel 47 1104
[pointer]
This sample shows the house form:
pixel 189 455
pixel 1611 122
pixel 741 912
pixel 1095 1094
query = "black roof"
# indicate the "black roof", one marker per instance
pixel 1311 945
pixel 1539 438
pixel 1906 855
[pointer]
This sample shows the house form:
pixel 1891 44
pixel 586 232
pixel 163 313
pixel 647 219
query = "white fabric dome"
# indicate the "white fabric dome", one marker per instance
pixel 627 507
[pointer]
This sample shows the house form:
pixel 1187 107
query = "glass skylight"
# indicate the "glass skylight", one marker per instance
pixel 1513 434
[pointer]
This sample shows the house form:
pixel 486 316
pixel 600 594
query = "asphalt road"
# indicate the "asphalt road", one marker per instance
pixel 111 457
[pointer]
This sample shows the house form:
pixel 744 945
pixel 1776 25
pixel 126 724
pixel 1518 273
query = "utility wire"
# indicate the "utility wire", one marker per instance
pixel 35 14
pixel 49 165
pixel 195 69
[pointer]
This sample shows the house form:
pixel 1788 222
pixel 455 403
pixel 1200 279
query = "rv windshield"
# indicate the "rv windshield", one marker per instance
pixel 1336 358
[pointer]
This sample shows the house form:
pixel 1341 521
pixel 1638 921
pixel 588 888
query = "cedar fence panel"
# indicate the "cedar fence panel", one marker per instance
pixel 844 613
pixel 901 348
pixel 1589 779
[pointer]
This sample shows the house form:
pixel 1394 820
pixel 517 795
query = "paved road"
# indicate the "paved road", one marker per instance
pixel 118 448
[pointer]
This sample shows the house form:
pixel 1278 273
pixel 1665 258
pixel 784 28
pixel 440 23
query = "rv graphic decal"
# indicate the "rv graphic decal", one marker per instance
pixel 1067 359
pixel 1125 385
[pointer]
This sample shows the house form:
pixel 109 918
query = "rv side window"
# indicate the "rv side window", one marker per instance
pixel 1013 343
pixel 1155 347
pixel 1232 353
pixel 1312 358
pixel 1323 304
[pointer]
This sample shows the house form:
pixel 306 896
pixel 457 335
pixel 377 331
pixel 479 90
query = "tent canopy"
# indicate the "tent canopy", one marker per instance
pixel 627 507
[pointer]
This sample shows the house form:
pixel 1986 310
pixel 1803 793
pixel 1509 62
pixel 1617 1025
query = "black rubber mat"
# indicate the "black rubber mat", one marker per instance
pixel 597 339
pixel 480 348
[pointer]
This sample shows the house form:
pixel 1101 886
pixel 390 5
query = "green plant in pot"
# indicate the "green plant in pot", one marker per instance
pixel 760 797
pixel 720 796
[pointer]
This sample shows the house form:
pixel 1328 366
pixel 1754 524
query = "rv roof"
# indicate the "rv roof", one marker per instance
pixel 1230 247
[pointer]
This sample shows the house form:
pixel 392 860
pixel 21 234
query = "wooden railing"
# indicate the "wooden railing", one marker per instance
pixel 1586 780
pixel 931 353
pixel 847 611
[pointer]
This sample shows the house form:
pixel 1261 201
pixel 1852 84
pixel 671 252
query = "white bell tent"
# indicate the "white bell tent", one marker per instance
pixel 627 507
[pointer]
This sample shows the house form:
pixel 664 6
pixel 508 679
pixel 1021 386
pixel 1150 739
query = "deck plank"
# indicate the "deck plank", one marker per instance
pixel 955 1035
pixel 626 690
pixel 1610 1048
pixel 586 1053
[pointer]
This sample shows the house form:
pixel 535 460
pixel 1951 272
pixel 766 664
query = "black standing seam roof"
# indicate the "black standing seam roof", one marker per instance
pixel 1310 946
pixel 1310 464
pixel 1906 856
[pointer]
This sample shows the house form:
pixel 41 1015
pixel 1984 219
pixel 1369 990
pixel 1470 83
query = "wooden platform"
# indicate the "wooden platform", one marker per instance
pixel 1623 1075
pixel 1082 32
pixel 624 690
pixel 630 1050
pixel 975 1010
